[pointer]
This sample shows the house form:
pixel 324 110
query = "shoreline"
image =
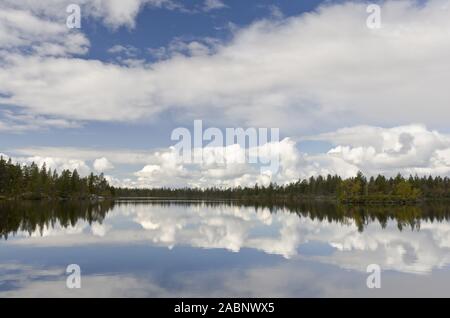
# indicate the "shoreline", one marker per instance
pixel 358 201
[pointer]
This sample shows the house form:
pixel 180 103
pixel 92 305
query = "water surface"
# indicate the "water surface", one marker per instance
pixel 222 249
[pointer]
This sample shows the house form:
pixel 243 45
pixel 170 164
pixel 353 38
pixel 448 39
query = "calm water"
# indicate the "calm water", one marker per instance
pixel 198 249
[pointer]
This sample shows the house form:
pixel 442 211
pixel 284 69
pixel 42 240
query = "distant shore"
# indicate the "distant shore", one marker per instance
pixel 357 201
pixel 33 182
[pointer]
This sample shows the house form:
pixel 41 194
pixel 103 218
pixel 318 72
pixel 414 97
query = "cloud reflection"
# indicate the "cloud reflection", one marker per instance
pixel 279 232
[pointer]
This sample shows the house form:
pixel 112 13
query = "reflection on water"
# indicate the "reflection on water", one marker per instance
pixel 32 217
pixel 168 248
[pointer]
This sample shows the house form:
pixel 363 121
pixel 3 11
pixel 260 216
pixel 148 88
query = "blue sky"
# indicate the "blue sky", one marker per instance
pixel 344 96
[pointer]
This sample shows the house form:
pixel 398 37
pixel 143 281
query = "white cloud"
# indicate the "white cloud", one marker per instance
pixel 180 48
pixel 276 12
pixel 407 150
pixel 113 13
pixel 20 29
pixel 77 88
pixel 102 165
pixel 11 122
pixel 127 50
pixel 224 166
pixel 54 163
pixel 326 68
pixel 119 156
pixel 58 163
pixel 163 167
pixel 210 5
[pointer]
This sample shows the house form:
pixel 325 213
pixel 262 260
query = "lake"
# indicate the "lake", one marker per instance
pixel 158 248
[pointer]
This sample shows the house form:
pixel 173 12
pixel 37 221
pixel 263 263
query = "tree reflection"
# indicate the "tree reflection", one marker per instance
pixel 32 217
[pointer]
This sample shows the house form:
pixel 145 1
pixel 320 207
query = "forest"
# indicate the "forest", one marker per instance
pixel 34 182
pixel 358 190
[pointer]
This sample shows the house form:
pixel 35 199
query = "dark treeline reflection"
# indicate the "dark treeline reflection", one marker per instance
pixel 30 216
pixel 327 211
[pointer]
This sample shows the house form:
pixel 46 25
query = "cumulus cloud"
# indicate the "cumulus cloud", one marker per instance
pixel 116 13
pixel 102 165
pixel 58 163
pixel 232 165
pixel 408 150
pixel 54 163
pixel 226 166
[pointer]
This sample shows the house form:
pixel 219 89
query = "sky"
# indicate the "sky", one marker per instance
pixel 106 97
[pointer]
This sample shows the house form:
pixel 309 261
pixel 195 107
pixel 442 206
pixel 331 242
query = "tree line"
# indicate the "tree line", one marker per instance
pixel 34 182
pixel 358 189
